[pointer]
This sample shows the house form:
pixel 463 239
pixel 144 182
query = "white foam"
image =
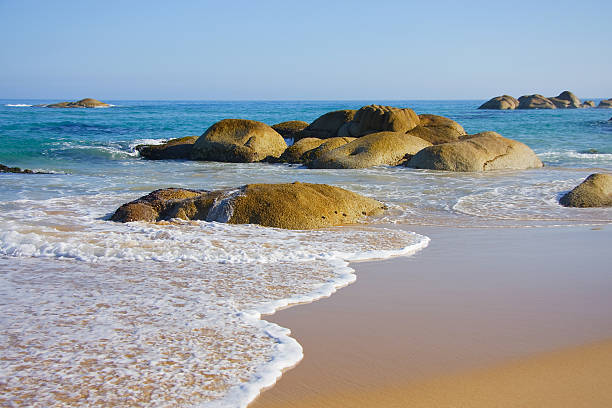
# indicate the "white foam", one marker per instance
pixel 17 105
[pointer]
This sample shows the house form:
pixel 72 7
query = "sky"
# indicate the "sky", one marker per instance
pixel 314 50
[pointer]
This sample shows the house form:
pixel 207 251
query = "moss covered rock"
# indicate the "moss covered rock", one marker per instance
pixel 238 141
pixel 594 191
pixel 290 206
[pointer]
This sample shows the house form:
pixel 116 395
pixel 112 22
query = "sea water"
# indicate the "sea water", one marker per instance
pixel 97 313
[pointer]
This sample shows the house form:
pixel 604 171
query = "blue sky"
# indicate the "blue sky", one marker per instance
pixel 303 50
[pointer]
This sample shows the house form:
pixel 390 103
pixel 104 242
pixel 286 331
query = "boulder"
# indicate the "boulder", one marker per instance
pixel 376 118
pixel 594 191
pixel 83 103
pixel 290 206
pixel 327 146
pixel 294 153
pixel 503 102
pixel 289 129
pixel 173 149
pixel 438 129
pixel 480 152
pixel 326 126
pixel 566 99
pixel 381 148
pixel 535 101
pixel 588 104
pixel 238 141
pixel 6 169
pixel 606 103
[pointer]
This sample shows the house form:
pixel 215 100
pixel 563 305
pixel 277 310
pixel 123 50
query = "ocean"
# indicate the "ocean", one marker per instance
pixel 96 313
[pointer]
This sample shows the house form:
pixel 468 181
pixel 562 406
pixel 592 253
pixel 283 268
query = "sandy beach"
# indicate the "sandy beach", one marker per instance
pixel 485 317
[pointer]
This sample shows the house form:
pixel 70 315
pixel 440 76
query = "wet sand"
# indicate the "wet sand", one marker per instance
pixel 482 317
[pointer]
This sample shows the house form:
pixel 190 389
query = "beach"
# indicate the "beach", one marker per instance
pixel 489 317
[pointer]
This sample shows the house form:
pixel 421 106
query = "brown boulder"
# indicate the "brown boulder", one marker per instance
pixel 83 103
pixel 566 99
pixel 290 206
pixel 588 104
pixel 326 126
pixel 294 153
pixel 594 191
pixel 289 129
pixel 480 152
pixel 503 102
pixel 327 146
pixel 381 148
pixel 238 141
pixel 376 118
pixel 535 101
pixel 606 103
pixel 438 129
pixel 6 169
pixel 173 149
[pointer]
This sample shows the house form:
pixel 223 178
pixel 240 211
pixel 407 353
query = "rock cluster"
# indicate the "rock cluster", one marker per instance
pixel 606 103
pixel 594 191
pixel 565 100
pixel 83 103
pixel 290 206
pixel 6 169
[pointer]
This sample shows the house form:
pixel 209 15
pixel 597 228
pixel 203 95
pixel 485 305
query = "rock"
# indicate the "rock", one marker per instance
pixel 173 149
pixel 566 99
pixel 327 126
pixel 327 146
pixel 6 169
pixel 381 148
pixel 376 118
pixel 594 191
pixel 606 103
pixel 503 102
pixel 238 141
pixel 588 104
pixel 83 103
pixel 535 101
pixel 294 153
pixel 438 129
pixel 289 129
pixel 480 152
pixel 290 206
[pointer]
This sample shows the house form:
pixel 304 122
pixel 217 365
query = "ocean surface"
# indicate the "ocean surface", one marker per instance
pixel 95 313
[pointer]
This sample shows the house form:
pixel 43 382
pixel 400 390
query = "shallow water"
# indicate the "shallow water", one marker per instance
pixel 139 313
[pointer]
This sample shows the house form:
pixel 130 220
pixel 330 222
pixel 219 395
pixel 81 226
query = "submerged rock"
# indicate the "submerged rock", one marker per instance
pixel 83 103
pixel 289 206
pixel 327 125
pixel 606 103
pixel 503 102
pixel 535 101
pixel 480 152
pixel 290 129
pixel 6 169
pixel 594 191
pixel 381 148
pixel 238 141
pixel 173 149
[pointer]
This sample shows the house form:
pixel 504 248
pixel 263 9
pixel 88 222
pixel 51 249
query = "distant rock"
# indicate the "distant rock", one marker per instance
pixel 566 100
pixel 606 103
pixel 289 206
pixel 480 152
pixel 594 191
pixel 288 130
pixel 6 169
pixel 503 102
pixel 173 149
pixel 327 125
pixel 83 103
pixel 238 141
pixel 588 104
pixel 377 118
pixel 381 148
pixel 535 101
pixel 438 129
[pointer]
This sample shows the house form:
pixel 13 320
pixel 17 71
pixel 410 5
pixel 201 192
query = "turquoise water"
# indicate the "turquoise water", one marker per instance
pixel 179 305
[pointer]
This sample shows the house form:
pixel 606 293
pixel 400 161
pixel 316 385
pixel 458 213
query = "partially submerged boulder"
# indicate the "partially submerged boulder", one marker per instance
pixel 377 118
pixel 480 152
pixel 327 125
pixel 566 100
pixel 327 146
pixel 535 101
pixel 238 141
pixel 290 206
pixel 606 103
pixel 83 103
pixel 503 102
pixel 6 169
pixel 381 148
pixel 173 149
pixel 294 153
pixel 588 104
pixel 438 129
pixel 290 129
pixel 594 191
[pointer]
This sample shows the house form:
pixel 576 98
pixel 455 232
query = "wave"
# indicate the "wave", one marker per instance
pixel 17 105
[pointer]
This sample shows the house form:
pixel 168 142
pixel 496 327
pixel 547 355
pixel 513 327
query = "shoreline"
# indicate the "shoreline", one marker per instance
pixel 449 311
